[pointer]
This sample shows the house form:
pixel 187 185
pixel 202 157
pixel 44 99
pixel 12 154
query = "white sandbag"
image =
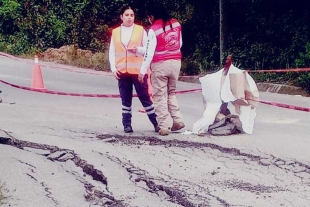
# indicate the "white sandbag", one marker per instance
pixel 216 89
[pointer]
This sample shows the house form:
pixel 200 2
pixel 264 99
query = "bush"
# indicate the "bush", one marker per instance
pixel 190 67
pixel 2 44
pixel 304 81
pixel 304 58
pixel 17 45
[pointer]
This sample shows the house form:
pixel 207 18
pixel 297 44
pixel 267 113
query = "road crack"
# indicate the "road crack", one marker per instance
pixel 175 191
pixel 291 166
pixel 57 154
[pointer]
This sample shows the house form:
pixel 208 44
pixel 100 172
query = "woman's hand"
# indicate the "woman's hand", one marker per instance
pixel 132 50
pixel 140 78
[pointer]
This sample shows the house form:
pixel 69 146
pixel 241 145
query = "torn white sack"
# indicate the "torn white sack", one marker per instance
pixel 237 87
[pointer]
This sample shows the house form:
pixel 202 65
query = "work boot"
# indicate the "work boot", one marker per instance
pixel 128 129
pixel 177 126
pixel 163 132
pixel 156 128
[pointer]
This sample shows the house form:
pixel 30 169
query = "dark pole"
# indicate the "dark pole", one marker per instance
pixel 221 32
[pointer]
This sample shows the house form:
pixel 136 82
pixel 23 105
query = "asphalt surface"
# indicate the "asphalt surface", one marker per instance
pixel 71 151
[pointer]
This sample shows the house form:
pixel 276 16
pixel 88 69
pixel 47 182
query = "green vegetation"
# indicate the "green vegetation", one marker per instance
pixel 261 34
pixel 291 78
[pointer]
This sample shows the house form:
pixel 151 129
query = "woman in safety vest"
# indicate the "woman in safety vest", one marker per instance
pixel 127 48
pixel 164 54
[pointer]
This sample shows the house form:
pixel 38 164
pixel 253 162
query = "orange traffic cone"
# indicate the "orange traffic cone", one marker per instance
pixel 149 86
pixel 37 80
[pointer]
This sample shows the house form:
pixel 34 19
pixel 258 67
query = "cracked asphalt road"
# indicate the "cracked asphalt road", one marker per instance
pixel 71 151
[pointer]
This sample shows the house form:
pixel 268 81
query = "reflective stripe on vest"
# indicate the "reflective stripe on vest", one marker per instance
pixel 168 41
pixel 127 62
pixel 161 30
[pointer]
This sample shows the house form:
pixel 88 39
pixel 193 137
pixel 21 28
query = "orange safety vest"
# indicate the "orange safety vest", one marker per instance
pixel 127 62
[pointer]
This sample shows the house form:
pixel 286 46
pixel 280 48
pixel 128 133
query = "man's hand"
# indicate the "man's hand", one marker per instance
pixel 116 74
pixel 140 78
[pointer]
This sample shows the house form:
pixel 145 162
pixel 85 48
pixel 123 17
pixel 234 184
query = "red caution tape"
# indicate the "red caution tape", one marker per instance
pixel 287 106
pixel 10 56
pixel 135 95
pixel 299 108
pixel 89 72
pixel 64 93
pixel 188 91
pixel 84 94
pixel 51 66
pixel 259 71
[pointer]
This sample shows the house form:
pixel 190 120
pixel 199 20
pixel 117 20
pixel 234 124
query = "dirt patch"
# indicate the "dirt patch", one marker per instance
pixel 72 55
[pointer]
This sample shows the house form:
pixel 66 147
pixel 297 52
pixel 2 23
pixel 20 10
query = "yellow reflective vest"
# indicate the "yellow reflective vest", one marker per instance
pixel 125 61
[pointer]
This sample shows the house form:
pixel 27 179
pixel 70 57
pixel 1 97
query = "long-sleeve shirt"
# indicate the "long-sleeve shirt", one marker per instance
pixel 150 50
pixel 125 38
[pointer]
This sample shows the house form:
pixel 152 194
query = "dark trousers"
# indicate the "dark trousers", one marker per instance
pixel 125 85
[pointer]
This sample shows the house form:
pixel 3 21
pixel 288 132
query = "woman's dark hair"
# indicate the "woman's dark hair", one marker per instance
pixel 158 11
pixel 125 8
